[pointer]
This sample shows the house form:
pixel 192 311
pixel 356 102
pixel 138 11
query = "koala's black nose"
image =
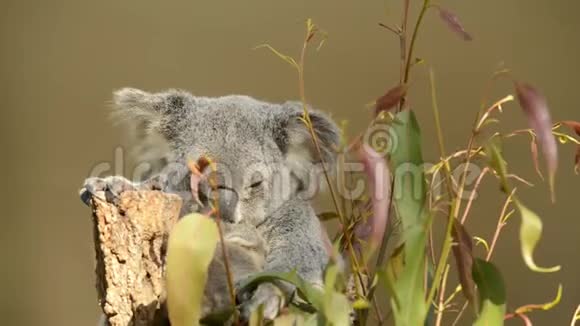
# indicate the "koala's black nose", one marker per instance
pixel 227 201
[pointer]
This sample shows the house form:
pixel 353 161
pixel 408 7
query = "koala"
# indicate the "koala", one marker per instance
pixel 246 251
pixel 264 164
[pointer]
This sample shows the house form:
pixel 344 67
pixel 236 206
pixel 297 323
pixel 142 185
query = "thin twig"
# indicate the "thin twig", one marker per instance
pixel 460 313
pixel 414 38
pixel 218 220
pixel 403 50
pixel 440 304
pixel 439 130
pixel 496 106
pixel 431 246
pixel 395 31
pixel 500 224
pixel 526 319
pixel 446 247
pixel 473 194
pixel 576 316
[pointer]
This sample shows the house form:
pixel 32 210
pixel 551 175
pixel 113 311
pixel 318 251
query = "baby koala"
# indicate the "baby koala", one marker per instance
pixel 246 251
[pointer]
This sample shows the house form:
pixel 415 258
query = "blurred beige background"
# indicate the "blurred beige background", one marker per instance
pixel 60 60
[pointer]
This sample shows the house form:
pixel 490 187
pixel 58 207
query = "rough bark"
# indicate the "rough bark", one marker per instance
pixel 130 242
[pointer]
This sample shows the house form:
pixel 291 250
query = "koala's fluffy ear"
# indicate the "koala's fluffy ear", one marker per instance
pixel 149 113
pixel 295 139
pixel 148 119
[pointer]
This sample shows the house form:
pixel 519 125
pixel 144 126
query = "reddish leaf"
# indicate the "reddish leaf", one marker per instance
pixel 379 182
pixel 391 98
pixel 196 176
pixel 574 125
pixel 463 252
pixel 454 24
pixel 194 179
pixel 536 110
pixel 534 150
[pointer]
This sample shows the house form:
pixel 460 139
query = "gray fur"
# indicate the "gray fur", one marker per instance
pixel 251 141
pixel 246 250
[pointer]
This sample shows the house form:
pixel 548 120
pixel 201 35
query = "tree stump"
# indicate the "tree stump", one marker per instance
pixel 130 241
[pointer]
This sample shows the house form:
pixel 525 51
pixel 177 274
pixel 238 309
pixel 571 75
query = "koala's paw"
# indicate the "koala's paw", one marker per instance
pixel 268 295
pixel 111 186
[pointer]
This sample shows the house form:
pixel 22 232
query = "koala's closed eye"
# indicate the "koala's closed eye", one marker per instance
pixel 256 184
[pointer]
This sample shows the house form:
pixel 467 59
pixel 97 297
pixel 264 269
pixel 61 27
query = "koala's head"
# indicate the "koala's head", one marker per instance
pixel 264 152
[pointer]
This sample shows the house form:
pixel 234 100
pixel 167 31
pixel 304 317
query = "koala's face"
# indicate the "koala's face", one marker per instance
pixel 263 152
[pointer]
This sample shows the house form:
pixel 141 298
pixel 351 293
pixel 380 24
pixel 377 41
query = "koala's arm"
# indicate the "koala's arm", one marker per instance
pixel 296 241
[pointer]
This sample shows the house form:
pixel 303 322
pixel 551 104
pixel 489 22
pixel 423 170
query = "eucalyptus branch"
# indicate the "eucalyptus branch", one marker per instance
pixel 446 248
pixel 414 38
pixel 403 42
pixel 439 130
pixel 218 221
pixel 310 32
pixel 496 106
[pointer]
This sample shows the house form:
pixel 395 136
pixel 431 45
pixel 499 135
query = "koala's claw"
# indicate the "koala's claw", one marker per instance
pixel 86 195
pixel 112 187
pixel 267 295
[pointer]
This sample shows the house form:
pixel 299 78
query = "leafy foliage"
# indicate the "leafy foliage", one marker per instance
pixel 410 202
pixel 492 295
pixel 187 264
pixel 415 276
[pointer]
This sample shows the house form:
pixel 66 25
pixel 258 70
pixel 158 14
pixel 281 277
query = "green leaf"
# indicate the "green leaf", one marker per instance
pixel 410 287
pixel 531 225
pixel 312 320
pixel 191 247
pixel 396 263
pixel 407 163
pixel 546 306
pixel 410 198
pixel 530 233
pixel 497 163
pixel 336 309
pixel 389 284
pixel 330 277
pixel 289 320
pixel 492 295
